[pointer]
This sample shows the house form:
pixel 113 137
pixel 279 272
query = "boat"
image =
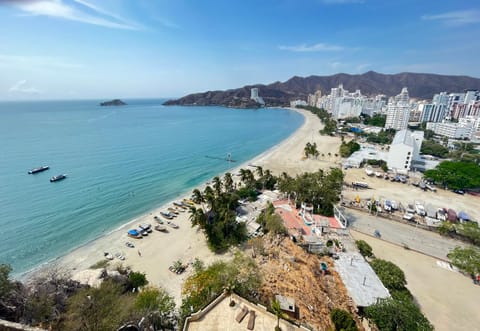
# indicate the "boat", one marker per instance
pixel 167 215
pixel 108 256
pixel 129 244
pixel 369 171
pixel 419 209
pixel 120 256
pixel 143 232
pixel 378 174
pixel 161 228
pixel 173 210
pixel 37 170
pixel 359 185
pixel 134 234
pixel 146 227
pixel 173 225
pixel 179 204
pixel 58 178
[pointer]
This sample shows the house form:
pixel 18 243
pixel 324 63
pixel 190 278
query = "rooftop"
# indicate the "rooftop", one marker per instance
pixel 362 283
pixel 220 316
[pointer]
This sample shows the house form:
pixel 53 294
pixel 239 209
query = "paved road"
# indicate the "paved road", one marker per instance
pixel 424 241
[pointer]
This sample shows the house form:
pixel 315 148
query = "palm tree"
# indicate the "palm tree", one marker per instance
pixel 217 185
pixel 228 182
pixel 277 310
pixel 243 175
pixel 259 171
pixel 197 196
pixel 209 196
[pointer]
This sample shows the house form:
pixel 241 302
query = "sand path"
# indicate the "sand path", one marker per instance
pixel 447 298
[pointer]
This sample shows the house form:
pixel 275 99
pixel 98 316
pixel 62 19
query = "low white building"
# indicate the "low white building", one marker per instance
pixel 295 103
pixel 404 150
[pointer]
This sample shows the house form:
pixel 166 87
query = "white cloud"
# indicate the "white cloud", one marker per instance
pixel 58 9
pixel 23 86
pixel 320 47
pixel 459 17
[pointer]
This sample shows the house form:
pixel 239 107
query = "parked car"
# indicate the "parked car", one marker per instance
pixel 462 192
pixel 409 217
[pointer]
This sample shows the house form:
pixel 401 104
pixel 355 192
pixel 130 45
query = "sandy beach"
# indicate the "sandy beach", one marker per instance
pixel 155 253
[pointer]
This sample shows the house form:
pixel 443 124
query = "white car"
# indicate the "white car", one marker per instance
pixel 409 217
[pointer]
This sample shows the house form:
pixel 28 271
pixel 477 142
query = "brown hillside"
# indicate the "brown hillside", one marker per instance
pixel 290 271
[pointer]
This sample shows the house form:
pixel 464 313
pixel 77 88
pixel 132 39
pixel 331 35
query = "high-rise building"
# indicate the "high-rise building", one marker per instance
pixel 254 96
pixel 397 116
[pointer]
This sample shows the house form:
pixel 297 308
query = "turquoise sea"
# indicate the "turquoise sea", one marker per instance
pixel 121 162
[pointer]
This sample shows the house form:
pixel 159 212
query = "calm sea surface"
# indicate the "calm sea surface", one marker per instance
pixel 120 161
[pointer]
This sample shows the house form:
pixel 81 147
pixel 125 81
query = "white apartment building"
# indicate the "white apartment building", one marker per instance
pixel 254 96
pixel 398 111
pixel 467 127
pixel 405 150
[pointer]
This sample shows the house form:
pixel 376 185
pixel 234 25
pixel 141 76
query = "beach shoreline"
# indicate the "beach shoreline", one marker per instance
pixel 186 243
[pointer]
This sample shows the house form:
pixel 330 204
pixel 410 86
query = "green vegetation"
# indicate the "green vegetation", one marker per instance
pixel 322 189
pixel 271 222
pixel 397 315
pixel 343 320
pixel 219 221
pixel 157 306
pixel 100 264
pixel 391 276
pixel 102 308
pixel 430 147
pixel 465 152
pixel 384 137
pixel 466 259
pixel 347 149
pixel 364 248
pixel 206 284
pixel 399 312
pixel 455 175
pixel 311 149
pixel 136 280
pixel 56 302
pixel 277 310
pixel 330 125
pixel 375 120
pixel 379 163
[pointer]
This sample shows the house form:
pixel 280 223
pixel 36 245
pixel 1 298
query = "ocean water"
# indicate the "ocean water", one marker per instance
pixel 121 162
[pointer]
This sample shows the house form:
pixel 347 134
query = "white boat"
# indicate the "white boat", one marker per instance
pixel 378 174
pixel 161 228
pixel 369 171
pixel 108 256
pixel 173 225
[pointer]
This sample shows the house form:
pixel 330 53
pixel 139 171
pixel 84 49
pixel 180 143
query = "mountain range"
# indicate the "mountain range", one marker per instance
pixel 421 86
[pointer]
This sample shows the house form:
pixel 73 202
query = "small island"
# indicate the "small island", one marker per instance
pixel 115 102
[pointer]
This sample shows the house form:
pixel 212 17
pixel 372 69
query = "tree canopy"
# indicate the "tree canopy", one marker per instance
pixel 397 315
pixel 375 120
pixel 322 189
pixel 431 147
pixel 391 276
pixel 343 320
pixel 347 149
pixel 206 283
pixel 455 175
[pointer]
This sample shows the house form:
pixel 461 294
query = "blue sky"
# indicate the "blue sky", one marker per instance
pixel 75 49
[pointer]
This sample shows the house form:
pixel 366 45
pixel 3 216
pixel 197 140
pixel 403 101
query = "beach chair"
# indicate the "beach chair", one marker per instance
pixel 241 315
pixel 251 320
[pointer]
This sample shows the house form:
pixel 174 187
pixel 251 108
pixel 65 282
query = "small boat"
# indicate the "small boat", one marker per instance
pixel 129 244
pixel 173 210
pixel 378 174
pixel 179 204
pixel 120 256
pixel 173 225
pixel 134 234
pixel 143 232
pixel 146 227
pixel 37 170
pixel 161 228
pixel 58 178
pixel 168 216
pixel 108 256
pixel 188 202
pixel 369 171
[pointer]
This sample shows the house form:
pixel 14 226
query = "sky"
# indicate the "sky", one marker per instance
pixel 99 49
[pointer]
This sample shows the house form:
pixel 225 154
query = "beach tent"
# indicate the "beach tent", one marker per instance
pixel 451 215
pixel 133 233
pixel 463 216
